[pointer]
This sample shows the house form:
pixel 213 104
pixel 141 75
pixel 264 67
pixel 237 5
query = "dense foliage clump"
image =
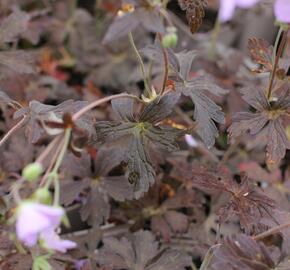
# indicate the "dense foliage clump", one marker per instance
pixel 134 137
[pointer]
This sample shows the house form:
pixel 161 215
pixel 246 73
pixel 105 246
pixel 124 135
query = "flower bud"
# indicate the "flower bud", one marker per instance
pixel 42 195
pixel 170 39
pixel 32 171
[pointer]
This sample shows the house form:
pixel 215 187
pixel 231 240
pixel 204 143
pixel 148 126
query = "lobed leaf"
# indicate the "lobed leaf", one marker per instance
pixel 140 251
pixel 127 22
pixel 19 61
pixel 206 112
pixel 13 25
pixel 266 121
pixel 137 136
pixel 242 252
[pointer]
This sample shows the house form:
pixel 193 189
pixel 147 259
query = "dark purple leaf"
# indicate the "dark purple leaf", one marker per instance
pixel 14 25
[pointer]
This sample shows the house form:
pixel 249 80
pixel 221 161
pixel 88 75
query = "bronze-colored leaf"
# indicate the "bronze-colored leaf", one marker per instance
pixel 194 12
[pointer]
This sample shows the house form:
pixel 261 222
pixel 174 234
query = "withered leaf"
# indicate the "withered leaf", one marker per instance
pixel 136 136
pixel 266 121
pixel 194 12
pixel 250 205
pixel 261 52
pixel 140 251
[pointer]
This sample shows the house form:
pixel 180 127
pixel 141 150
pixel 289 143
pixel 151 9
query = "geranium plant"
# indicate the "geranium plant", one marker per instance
pixel 134 138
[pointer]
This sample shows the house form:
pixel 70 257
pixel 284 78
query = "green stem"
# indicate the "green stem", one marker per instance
pixel 15 190
pixel 52 162
pixel 276 44
pixel 63 150
pixel 56 195
pixel 214 37
pixel 72 7
pixel 141 63
pixel 165 3
pixel 208 257
pixel 54 173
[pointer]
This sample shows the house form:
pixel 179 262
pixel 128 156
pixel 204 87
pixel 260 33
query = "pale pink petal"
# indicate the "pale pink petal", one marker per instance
pixel 54 214
pixel 227 9
pixel 29 223
pixel 34 218
pixel 282 10
pixel 52 241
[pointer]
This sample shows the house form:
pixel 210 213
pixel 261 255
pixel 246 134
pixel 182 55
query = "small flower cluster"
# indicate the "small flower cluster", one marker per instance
pixel 38 223
pixel 36 220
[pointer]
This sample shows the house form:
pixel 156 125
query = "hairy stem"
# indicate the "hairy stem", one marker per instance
pixel 52 162
pixel 166 65
pixel 208 257
pixel 163 12
pixel 214 37
pixel 141 63
pixel 12 131
pixel 54 174
pixel 15 190
pixel 276 44
pixel 48 149
pixel 277 58
pixel 63 150
pixel 98 102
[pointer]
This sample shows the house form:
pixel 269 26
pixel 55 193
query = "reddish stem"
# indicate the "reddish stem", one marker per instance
pixel 277 58
pixel 166 65
pixel 12 131
pixel 271 231
pixel 48 149
pixel 98 102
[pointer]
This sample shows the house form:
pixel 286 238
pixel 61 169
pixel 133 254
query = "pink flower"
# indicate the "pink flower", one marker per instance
pixel 282 10
pixel 51 240
pixel 34 218
pixel 227 7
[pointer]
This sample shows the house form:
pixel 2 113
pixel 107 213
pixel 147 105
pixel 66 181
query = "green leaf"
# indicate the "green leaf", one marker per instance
pixel 41 263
